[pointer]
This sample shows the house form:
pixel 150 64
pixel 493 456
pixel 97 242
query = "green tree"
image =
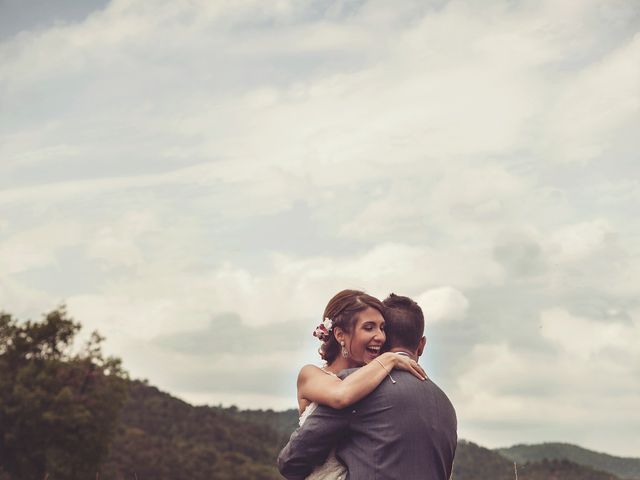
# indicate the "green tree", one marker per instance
pixel 58 409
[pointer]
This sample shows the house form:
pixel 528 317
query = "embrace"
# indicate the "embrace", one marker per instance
pixel 370 412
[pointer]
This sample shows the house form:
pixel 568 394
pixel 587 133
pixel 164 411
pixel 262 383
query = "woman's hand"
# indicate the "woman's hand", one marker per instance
pixel 411 366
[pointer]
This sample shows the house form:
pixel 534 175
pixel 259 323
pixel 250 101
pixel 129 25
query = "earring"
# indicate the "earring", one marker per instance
pixel 345 352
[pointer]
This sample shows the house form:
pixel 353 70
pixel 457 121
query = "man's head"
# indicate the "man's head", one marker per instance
pixel 404 325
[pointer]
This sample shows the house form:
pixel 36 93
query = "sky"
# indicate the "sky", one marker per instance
pixel 196 179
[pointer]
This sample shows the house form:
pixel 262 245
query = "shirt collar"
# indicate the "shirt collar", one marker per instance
pixel 404 354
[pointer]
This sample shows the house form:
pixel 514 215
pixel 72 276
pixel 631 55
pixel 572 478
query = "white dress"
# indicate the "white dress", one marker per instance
pixel 331 469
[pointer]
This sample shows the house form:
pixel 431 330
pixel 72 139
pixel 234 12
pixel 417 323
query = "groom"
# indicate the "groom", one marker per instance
pixel 404 430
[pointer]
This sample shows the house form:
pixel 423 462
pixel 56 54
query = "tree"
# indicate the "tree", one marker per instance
pixel 58 409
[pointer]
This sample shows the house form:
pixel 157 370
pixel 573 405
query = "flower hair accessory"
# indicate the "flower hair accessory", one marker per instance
pixel 323 330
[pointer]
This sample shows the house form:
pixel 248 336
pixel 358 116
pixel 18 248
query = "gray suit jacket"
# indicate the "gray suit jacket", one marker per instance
pixel 401 431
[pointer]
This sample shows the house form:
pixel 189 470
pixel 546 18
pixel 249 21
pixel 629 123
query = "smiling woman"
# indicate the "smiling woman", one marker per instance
pixel 347 312
pixel 366 338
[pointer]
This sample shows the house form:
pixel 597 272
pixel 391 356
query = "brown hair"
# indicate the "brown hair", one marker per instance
pixel 342 309
pixel 404 322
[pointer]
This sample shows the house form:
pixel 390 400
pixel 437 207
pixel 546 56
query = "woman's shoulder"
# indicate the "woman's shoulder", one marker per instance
pixel 311 371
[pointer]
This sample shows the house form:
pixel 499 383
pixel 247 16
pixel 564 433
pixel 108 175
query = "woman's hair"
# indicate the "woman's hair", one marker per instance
pixel 342 309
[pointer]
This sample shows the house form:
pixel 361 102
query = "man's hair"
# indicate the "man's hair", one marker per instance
pixel 404 322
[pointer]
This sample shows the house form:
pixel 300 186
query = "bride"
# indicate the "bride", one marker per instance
pixel 352 335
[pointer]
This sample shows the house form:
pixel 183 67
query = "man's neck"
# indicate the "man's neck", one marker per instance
pixel 406 352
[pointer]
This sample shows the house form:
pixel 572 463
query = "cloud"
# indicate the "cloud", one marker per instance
pixel 36 247
pixel 573 243
pixel 23 301
pixel 584 338
pixel 509 392
pixel 227 334
pixel 608 87
pixel 519 254
pixel 443 304
pixel 39 14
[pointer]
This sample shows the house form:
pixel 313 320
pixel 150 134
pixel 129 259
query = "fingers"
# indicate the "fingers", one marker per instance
pixel 413 367
pixel 418 371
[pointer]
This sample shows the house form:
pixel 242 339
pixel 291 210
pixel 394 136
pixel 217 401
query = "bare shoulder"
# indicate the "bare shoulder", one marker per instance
pixel 309 371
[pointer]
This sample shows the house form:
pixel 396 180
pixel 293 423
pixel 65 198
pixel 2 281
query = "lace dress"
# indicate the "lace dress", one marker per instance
pixel 331 469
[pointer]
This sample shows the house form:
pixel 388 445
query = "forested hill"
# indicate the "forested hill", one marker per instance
pixel 163 437
pixel 474 462
pixel 628 468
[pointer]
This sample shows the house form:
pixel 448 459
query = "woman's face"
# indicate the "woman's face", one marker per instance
pixel 367 338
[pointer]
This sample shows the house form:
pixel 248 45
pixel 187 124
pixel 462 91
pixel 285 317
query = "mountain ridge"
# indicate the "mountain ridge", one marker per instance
pixel 161 436
pixel 623 467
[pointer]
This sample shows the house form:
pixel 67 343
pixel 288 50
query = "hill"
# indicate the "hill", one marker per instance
pixel 627 468
pixel 161 436
pixel 474 462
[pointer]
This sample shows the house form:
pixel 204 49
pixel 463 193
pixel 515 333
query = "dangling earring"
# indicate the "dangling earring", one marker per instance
pixel 345 352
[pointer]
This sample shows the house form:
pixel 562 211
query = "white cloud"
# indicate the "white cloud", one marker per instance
pixel 598 106
pixel 37 247
pixel 504 391
pixel 23 301
pixel 579 241
pixel 443 304
pixel 149 302
pixel 115 244
pixel 584 338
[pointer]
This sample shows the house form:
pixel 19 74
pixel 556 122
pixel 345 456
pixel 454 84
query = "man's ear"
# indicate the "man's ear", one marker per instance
pixel 421 344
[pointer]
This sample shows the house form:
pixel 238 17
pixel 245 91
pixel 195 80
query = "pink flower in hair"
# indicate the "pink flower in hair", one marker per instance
pixel 323 331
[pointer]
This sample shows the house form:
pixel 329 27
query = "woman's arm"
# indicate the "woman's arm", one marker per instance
pixel 314 385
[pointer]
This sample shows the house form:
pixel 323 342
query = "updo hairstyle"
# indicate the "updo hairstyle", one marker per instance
pixel 342 309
